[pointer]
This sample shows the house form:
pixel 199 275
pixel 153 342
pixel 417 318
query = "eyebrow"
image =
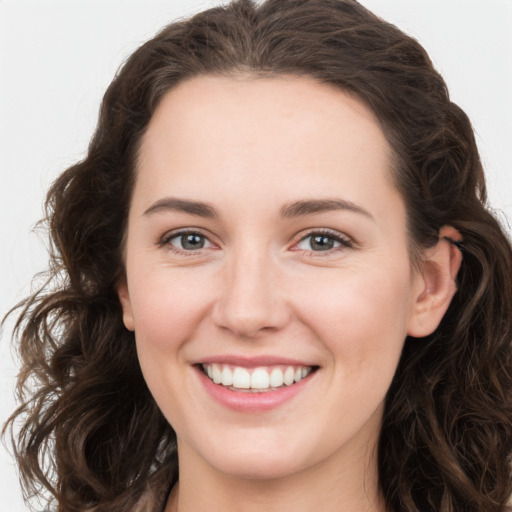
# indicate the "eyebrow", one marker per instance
pixel 312 206
pixel 291 210
pixel 182 205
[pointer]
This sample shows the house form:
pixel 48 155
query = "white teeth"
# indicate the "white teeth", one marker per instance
pixel 241 378
pixel 227 376
pixel 216 374
pixel 276 378
pixel 262 378
pixel 289 376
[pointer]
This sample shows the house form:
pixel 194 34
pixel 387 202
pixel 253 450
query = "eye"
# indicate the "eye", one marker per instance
pixel 323 242
pixel 187 241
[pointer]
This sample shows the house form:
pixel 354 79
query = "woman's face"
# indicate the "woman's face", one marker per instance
pixel 267 245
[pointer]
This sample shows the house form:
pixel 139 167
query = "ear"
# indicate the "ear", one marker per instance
pixel 436 283
pixel 124 299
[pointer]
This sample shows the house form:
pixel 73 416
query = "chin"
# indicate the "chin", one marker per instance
pixel 254 458
pixel 266 468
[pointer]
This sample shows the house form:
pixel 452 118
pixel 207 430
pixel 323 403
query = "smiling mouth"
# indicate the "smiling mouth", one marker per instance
pixel 256 380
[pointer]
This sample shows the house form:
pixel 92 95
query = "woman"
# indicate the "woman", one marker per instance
pixel 274 270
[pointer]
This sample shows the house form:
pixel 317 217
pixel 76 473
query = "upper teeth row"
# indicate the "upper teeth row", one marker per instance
pixel 259 378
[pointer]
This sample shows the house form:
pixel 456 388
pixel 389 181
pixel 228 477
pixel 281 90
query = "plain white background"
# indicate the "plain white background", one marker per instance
pixel 58 56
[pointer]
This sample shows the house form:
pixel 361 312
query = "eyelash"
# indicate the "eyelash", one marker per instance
pixel 167 239
pixel 343 241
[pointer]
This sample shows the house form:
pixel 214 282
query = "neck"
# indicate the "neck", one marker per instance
pixel 329 486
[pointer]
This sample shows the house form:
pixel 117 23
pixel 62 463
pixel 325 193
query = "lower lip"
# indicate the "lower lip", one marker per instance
pixel 252 402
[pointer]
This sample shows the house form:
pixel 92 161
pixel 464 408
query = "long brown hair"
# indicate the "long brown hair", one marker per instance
pixel 90 431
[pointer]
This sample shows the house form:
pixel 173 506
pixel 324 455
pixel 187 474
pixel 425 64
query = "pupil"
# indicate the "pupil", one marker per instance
pixel 322 243
pixel 192 242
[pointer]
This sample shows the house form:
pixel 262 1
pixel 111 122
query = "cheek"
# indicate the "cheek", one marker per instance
pixel 168 310
pixel 361 316
pixel 168 307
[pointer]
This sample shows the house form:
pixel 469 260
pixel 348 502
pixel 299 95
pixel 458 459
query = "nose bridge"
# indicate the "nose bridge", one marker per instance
pixel 250 299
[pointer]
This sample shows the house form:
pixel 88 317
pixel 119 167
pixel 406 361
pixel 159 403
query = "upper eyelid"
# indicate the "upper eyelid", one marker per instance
pixel 323 231
pixel 166 242
pixel 168 235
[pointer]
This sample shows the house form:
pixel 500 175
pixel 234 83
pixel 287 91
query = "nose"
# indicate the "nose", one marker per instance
pixel 251 300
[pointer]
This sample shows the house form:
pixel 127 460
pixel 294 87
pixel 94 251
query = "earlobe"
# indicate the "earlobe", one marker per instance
pixel 124 299
pixel 437 283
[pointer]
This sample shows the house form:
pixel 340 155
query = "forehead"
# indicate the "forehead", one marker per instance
pixel 281 136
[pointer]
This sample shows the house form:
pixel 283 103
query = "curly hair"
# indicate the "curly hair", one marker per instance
pixel 91 432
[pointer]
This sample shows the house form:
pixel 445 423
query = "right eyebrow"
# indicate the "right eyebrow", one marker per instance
pixel 182 205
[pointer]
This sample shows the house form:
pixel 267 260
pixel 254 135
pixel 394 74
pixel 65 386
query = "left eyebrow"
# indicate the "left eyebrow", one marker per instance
pixel 312 206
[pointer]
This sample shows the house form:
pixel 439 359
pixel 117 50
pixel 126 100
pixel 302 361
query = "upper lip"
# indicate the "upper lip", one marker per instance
pixel 253 362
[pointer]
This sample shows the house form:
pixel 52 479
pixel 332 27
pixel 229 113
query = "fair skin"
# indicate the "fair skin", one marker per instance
pixel 295 254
